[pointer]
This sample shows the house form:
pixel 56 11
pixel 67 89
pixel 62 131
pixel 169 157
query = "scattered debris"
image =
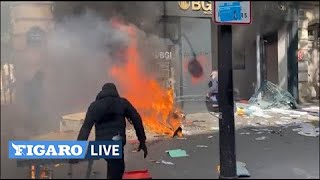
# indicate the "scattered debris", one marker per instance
pixel 261 138
pixel 241 111
pixel 261 114
pixel 312 117
pixel 177 153
pixel 198 121
pixel 276 132
pixel 287 123
pixel 270 95
pixel 295 115
pixel 262 123
pixel 214 128
pixel 246 133
pixel 268 130
pixel 288 112
pixel 186 133
pixel 255 130
pixel 209 137
pixel 242 170
pixel 259 132
pixel 307 129
pixel 164 162
pixel 287 118
pixel 311 108
pixel 202 146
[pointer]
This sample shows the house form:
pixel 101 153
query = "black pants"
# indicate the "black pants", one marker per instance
pixel 116 168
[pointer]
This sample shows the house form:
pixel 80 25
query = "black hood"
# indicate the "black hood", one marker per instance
pixel 108 90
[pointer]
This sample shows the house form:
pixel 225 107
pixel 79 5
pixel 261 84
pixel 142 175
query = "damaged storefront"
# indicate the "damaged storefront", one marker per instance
pixel 187 50
pixel 260 50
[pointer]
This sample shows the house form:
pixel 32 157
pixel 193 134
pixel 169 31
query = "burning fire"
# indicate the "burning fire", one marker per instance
pixel 154 103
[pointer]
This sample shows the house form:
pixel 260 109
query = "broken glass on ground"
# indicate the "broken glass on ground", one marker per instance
pixel 269 96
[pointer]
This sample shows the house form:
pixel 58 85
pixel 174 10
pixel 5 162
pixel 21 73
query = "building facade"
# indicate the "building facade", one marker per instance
pixel 308 50
pixel 265 50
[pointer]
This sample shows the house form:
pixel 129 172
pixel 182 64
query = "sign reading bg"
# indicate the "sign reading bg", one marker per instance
pixel 65 149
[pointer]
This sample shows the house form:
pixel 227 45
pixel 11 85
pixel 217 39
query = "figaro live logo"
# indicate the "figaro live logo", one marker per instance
pixel 205 6
pixel 65 149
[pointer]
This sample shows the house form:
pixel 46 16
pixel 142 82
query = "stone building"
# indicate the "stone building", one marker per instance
pixel 308 53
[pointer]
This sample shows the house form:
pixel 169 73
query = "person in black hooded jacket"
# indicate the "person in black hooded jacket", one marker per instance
pixel 108 113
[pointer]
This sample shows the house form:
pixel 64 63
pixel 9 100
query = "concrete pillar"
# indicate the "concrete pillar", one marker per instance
pixel 304 55
pixel 282 58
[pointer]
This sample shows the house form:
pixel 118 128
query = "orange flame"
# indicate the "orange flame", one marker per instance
pixel 154 103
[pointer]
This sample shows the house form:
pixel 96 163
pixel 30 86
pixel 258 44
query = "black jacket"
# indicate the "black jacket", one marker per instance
pixel 108 113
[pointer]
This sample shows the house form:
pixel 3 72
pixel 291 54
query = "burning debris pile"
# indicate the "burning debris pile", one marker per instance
pixel 154 102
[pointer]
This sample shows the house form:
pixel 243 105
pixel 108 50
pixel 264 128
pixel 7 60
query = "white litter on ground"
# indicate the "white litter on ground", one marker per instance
pixel 286 118
pixel 202 146
pixel 312 108
pixel 261 114
pixel 307 129
pixel 164 162
pixel 288 112
pixel 214 128
pixel 246 133
pixel 295 115
pixel 261 138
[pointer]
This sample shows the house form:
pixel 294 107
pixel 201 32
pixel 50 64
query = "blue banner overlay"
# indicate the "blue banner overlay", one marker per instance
pixel 65 149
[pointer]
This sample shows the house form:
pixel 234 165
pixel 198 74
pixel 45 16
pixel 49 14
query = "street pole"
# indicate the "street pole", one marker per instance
pixel 226 104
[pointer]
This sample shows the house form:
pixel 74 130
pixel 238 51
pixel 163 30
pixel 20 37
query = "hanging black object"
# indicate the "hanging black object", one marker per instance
pixel 35 36
pixel 195 68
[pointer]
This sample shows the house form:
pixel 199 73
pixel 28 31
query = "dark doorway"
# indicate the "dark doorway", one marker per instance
pixel 270 58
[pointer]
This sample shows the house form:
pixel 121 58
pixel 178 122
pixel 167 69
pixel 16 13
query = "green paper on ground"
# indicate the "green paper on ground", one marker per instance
pixel 177 153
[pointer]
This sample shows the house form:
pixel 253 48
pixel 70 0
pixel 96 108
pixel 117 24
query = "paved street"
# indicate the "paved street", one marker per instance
pixel 284 154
